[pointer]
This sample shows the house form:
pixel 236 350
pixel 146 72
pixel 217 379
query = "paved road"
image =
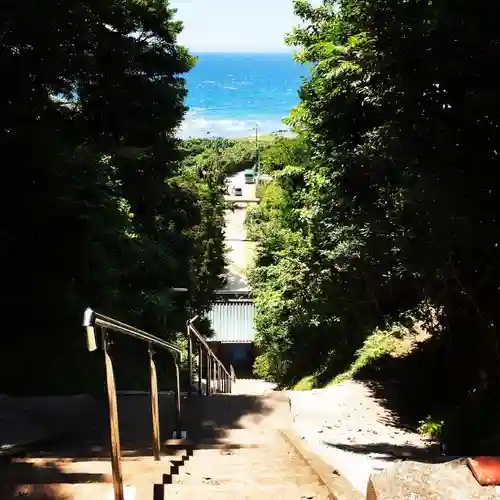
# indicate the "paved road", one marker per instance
pixel 241 252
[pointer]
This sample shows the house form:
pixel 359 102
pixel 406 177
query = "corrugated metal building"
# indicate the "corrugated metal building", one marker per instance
pixel 233 321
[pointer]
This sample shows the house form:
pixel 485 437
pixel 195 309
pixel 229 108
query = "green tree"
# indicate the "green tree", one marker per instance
pixel 400 119
pixel 92 97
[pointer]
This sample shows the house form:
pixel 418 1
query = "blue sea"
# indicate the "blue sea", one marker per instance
pixel 229 94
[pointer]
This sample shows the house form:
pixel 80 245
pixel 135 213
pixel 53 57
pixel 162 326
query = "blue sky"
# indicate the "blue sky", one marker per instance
pixel 235 25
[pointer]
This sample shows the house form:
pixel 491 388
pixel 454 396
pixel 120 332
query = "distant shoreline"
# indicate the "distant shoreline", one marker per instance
pixel 263 137
pixel 242 53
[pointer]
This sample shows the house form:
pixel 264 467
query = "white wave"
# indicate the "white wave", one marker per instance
pixel 196 110
pixel 208 82
pixel 227 87
pixel 221 127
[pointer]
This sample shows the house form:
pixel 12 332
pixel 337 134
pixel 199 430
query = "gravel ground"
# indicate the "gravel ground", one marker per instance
pixel 347 427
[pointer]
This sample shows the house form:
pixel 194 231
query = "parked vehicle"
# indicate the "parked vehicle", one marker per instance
pixel 237 191
pixel 249 176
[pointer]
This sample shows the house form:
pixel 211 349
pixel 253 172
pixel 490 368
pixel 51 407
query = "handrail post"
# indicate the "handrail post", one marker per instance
pixel 219 388
pixel 200 370
pixel 209 374
pixel 114 430
pixel 190 360
pixel 177 398
pixel 153 387
pixel 230 383
pixel 216 377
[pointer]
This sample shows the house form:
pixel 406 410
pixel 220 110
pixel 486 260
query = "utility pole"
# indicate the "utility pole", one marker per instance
pixel 257 149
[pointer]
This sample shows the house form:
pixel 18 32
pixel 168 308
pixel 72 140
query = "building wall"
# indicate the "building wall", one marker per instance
pixel 233 321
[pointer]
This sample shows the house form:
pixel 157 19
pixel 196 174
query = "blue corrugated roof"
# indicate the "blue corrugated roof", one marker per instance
pixel 232 321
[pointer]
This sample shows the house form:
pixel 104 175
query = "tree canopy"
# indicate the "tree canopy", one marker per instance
pixel 392 217
pixel 99 209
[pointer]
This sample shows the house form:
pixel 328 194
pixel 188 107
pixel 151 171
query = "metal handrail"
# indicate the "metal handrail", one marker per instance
pixel 91 320
pixel 219 375
pixel 216 372
pixel 202 340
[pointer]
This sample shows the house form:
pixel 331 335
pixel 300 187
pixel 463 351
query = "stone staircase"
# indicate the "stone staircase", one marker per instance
pixel 238 453
pixel 241 454
pixel 269 470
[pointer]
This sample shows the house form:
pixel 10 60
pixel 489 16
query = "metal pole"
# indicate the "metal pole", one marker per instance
pixel 190 360
pixel 200 369
pixel 209 374
pixel 114 430
pixel 177 398
pixel 257 149
pixel 216 377
pixel 153 385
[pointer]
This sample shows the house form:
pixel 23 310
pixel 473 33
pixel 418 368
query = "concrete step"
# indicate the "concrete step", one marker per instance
pixel 65 479
pixel 230 492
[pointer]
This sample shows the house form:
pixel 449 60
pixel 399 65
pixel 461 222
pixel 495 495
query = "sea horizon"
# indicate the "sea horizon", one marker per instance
pixel 230 93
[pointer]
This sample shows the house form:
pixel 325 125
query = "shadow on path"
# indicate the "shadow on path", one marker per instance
pixel 214 418
pixel 40 481
pixel 390 452
pixel 81 456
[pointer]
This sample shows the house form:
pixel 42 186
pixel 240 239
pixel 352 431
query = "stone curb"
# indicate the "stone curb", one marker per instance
pixel 338 487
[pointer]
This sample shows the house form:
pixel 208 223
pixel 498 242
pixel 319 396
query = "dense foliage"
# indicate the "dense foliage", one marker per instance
pixel 229 155
pixel 394 214
pixel 99 208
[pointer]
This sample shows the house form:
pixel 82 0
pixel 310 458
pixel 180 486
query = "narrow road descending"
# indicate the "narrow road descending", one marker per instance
pixel 240 251
pixel 242 454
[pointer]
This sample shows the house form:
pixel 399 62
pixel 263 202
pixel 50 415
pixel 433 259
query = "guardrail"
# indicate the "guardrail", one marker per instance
pixel 218 379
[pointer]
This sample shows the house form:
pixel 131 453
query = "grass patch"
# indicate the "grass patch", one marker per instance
pixel 396 341
pixel 305 384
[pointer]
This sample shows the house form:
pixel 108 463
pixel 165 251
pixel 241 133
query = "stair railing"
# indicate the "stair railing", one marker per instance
pixel 93 321
pixel 218 377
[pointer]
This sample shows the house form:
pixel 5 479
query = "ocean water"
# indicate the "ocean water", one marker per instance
pixel 229 94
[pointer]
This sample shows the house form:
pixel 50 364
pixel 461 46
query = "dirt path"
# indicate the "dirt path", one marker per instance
pixel 352 432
